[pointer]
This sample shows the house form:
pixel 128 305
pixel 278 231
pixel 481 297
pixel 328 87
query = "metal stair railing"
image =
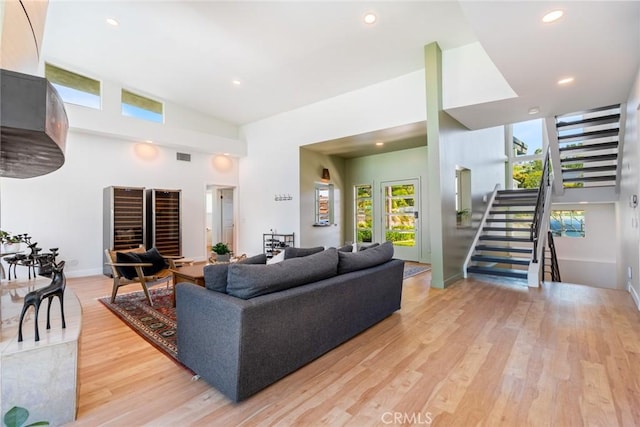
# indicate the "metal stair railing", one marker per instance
pixel 545 183
pixel 555 269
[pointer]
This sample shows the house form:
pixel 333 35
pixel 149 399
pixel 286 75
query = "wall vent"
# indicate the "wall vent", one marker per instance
pixel 185 157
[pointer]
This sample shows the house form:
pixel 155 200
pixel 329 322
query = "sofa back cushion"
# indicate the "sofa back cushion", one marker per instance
pixel 215 275
pixel 292 252
pixel 353 261
pixel 248 281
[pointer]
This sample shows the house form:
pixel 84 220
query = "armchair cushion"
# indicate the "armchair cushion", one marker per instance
pixel 127 257
pixel 153 256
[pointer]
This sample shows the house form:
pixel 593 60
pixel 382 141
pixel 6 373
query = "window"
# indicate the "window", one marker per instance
pixel 364 213
pixel 74 88
pixel 527 138
pixel 567 223
pixel 463 197
pixel 524 151
pixel 141 107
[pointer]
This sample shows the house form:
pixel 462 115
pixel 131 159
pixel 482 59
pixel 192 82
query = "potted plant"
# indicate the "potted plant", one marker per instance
pixel 222 251
pixel 462 216
pixel 10 243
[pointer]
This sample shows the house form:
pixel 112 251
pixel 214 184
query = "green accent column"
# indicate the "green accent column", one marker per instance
pixel 433 78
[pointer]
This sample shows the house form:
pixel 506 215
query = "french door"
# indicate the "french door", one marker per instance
pixel 400 217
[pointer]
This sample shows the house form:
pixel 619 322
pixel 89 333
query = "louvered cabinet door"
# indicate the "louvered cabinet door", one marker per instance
pixel 163 221
pixel 123 219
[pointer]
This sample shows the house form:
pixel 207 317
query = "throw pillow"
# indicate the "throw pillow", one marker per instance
pixel 364 259
pixel 127 257
pixel 158 262
pixel 215 275
pixel 249 281
pixel 292 252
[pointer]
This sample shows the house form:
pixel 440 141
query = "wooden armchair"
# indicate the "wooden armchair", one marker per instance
pixel 145 280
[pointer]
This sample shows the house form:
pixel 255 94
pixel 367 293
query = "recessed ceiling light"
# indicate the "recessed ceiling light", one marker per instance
pixel 113 22
pixel 565 81
pixel 369 18
pixel 534 110
pixel 552 16
pixel 148 141
pixel 379 143
pixel 236 82
pixel 225 154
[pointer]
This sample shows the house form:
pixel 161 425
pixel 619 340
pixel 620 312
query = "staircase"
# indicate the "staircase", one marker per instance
pixel 504 246
pixel 588 143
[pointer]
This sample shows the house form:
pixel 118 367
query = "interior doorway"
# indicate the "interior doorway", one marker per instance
pixel 220 214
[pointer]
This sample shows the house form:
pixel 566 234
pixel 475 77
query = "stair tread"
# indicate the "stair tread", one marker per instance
pixel 501 260
pixel 520 212
pixel 582 159
pixel 524 220
pixel 513 229
pixel 503 249
pixel 590 147
pixel 505 238
pixel 606 168
pixel 591 178
pixel 531 202
pixel 508 272
pixel 588 135
pixel 591 121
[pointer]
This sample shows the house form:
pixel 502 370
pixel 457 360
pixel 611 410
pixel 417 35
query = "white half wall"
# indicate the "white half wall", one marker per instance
pixel 590 260
pixel 64 209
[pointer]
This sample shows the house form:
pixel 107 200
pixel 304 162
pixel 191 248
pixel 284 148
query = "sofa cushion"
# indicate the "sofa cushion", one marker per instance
pixel 292 252
pixel 346 248
pixel 364 259
pixel 215 275
pixel 365 246
pixel 248 281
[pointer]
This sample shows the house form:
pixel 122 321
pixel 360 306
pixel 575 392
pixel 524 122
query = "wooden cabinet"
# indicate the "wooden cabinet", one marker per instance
pixel 163 221
pixel 273 243
pixel 123 219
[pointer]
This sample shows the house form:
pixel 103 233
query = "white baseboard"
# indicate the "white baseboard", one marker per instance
pixel 635 296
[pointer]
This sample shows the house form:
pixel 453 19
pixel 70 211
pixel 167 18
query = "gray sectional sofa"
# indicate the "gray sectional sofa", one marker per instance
pixel 263 322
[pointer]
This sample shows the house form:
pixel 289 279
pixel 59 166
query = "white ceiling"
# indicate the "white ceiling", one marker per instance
pixel 290 54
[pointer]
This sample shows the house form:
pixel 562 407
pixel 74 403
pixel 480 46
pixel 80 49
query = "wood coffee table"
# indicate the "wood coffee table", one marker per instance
pixel 188 273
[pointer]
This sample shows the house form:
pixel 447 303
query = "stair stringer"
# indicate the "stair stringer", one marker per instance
pixel 476 239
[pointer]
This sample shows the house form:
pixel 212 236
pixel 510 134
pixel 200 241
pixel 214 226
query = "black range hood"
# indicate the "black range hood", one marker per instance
pixel 34 126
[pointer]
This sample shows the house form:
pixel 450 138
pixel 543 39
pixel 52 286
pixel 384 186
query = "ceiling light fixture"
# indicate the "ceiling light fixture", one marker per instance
pixel 113 22
pixel 236 82
pixel 534 110
pixel 565 81
pixel 370 18
pixel 552 16
pixel 379 143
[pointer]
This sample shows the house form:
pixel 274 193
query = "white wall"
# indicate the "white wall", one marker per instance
pixel 272 165
pixel 590 260
pixel 629 217
pixel 64 208
pixel 311 165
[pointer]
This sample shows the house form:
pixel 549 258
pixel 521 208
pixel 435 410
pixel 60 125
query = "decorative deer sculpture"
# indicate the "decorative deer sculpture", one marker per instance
pixel 34 298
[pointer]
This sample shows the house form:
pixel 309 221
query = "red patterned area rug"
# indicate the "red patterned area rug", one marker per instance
pixel 156 324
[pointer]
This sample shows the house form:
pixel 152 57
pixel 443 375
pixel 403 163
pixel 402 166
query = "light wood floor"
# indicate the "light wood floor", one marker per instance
pixel 477 353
